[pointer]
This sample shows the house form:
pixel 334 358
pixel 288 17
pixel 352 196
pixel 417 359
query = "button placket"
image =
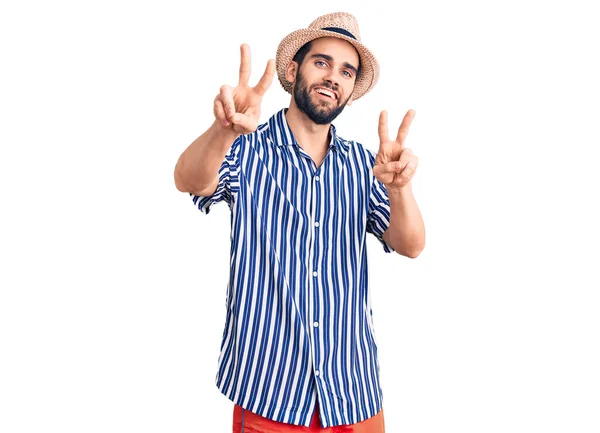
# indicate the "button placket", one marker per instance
pixel 317 271
pixel 315 197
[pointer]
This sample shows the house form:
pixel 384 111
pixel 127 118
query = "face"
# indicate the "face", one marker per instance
pixel 325 80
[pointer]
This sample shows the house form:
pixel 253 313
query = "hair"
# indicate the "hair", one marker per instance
pixel 303 51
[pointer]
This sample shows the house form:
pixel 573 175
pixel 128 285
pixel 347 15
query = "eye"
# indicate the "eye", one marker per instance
pixel 320 63
pixel 347 74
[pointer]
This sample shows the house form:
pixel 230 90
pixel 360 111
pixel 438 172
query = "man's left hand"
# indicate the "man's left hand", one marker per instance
pixel 395 165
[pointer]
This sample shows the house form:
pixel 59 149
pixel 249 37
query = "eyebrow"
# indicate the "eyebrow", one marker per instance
pixel 330 59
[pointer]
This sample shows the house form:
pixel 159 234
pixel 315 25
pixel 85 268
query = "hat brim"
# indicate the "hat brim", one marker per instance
pixel 289 46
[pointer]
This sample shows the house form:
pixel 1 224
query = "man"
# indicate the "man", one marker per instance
pixel 299 349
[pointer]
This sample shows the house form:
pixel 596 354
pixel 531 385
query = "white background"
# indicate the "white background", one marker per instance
pixel 113 283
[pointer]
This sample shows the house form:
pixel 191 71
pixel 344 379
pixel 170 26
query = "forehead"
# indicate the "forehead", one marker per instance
pixel 339 49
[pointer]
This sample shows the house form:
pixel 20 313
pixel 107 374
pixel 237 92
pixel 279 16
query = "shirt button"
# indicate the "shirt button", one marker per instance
pixel 316 324
pixel 317 224
pixel 317 373
pixel 317 178
pixel 315 273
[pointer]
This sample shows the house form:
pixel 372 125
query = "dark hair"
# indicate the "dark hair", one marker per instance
pixel 303 51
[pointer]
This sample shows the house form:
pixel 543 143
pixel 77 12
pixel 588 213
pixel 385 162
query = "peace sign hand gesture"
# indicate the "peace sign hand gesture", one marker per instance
pixel 239 108
pixel 395 165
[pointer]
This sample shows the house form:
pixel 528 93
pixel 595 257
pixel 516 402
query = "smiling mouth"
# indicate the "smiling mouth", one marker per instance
pixel 326 92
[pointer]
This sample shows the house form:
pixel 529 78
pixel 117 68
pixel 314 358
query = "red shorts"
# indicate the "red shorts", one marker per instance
pixel 253 423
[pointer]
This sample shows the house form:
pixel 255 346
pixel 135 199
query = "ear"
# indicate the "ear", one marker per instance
pixel 350 100
pixel 291 71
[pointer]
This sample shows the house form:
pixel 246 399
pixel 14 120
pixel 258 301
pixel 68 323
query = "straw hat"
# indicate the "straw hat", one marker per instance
pixel 340 25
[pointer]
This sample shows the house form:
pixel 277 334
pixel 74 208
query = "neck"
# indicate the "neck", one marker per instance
pixel 308 134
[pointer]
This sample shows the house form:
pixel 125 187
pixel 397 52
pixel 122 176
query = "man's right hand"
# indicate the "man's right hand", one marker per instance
pixel 239 108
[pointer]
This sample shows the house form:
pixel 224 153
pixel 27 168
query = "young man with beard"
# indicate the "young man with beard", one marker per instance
pixel 298 351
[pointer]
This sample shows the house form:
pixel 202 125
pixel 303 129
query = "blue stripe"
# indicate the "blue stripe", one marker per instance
pixel 271 348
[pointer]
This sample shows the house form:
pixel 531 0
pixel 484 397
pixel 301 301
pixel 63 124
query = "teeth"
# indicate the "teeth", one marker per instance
pixel 326 92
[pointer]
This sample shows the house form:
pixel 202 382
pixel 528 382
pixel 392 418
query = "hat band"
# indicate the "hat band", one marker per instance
pixel 341 31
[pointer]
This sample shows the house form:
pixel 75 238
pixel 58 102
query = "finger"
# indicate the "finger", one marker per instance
pixel 403 179
pixel 409 170
pixel 220 112
pixel 390 167
pixel 383 128
pixel 404 126
pixel 245 65
pixel 226 97
pixel 245 122
pixel 267 78
pixel 406 156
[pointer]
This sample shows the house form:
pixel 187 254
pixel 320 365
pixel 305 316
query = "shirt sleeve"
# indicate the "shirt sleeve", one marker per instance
pixel 228 181
pixel 378 217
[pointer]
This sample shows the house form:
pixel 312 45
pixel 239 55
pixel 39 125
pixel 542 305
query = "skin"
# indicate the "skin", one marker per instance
pixel 395 166
pixel 330 64
pixel 236 111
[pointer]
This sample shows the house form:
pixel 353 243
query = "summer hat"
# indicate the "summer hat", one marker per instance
pixel 340 25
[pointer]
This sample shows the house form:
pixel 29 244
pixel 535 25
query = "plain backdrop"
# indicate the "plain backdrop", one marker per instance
pixel 113 283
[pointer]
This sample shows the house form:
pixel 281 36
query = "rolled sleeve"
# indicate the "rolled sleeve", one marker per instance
pixel 378 218
pixel 228 181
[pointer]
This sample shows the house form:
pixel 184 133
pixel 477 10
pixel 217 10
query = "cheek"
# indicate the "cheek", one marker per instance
pixel 348 89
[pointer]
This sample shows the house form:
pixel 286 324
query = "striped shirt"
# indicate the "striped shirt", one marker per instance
pixel 299 321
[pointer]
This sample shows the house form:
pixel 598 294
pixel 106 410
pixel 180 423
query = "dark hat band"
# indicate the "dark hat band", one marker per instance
pixel 341 31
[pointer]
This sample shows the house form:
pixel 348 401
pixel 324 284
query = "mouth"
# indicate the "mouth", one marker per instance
pixel 326 93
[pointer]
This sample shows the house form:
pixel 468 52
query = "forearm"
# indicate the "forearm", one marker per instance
pixel 406 233
pixel 198 166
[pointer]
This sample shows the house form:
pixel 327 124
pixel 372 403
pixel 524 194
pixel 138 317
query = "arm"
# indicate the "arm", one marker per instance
pixel 395 166
pixel 406 233
pixel 236 112
pixel 197 169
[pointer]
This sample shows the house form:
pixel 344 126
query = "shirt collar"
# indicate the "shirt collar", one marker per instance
pixel 281 133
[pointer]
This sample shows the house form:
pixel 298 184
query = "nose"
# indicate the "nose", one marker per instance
pixel 331 79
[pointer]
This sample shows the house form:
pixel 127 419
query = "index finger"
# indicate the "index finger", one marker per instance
pixel 383 127
pixel 266 79
pixel 404 126
pixel 244 65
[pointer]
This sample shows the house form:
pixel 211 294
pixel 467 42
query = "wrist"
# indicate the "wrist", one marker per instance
pixel 223 134
pixel 399 192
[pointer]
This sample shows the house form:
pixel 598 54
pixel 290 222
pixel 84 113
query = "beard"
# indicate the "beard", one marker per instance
pixel 320 114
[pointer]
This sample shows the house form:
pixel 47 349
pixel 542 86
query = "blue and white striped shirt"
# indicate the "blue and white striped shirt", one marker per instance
pixel 299 321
